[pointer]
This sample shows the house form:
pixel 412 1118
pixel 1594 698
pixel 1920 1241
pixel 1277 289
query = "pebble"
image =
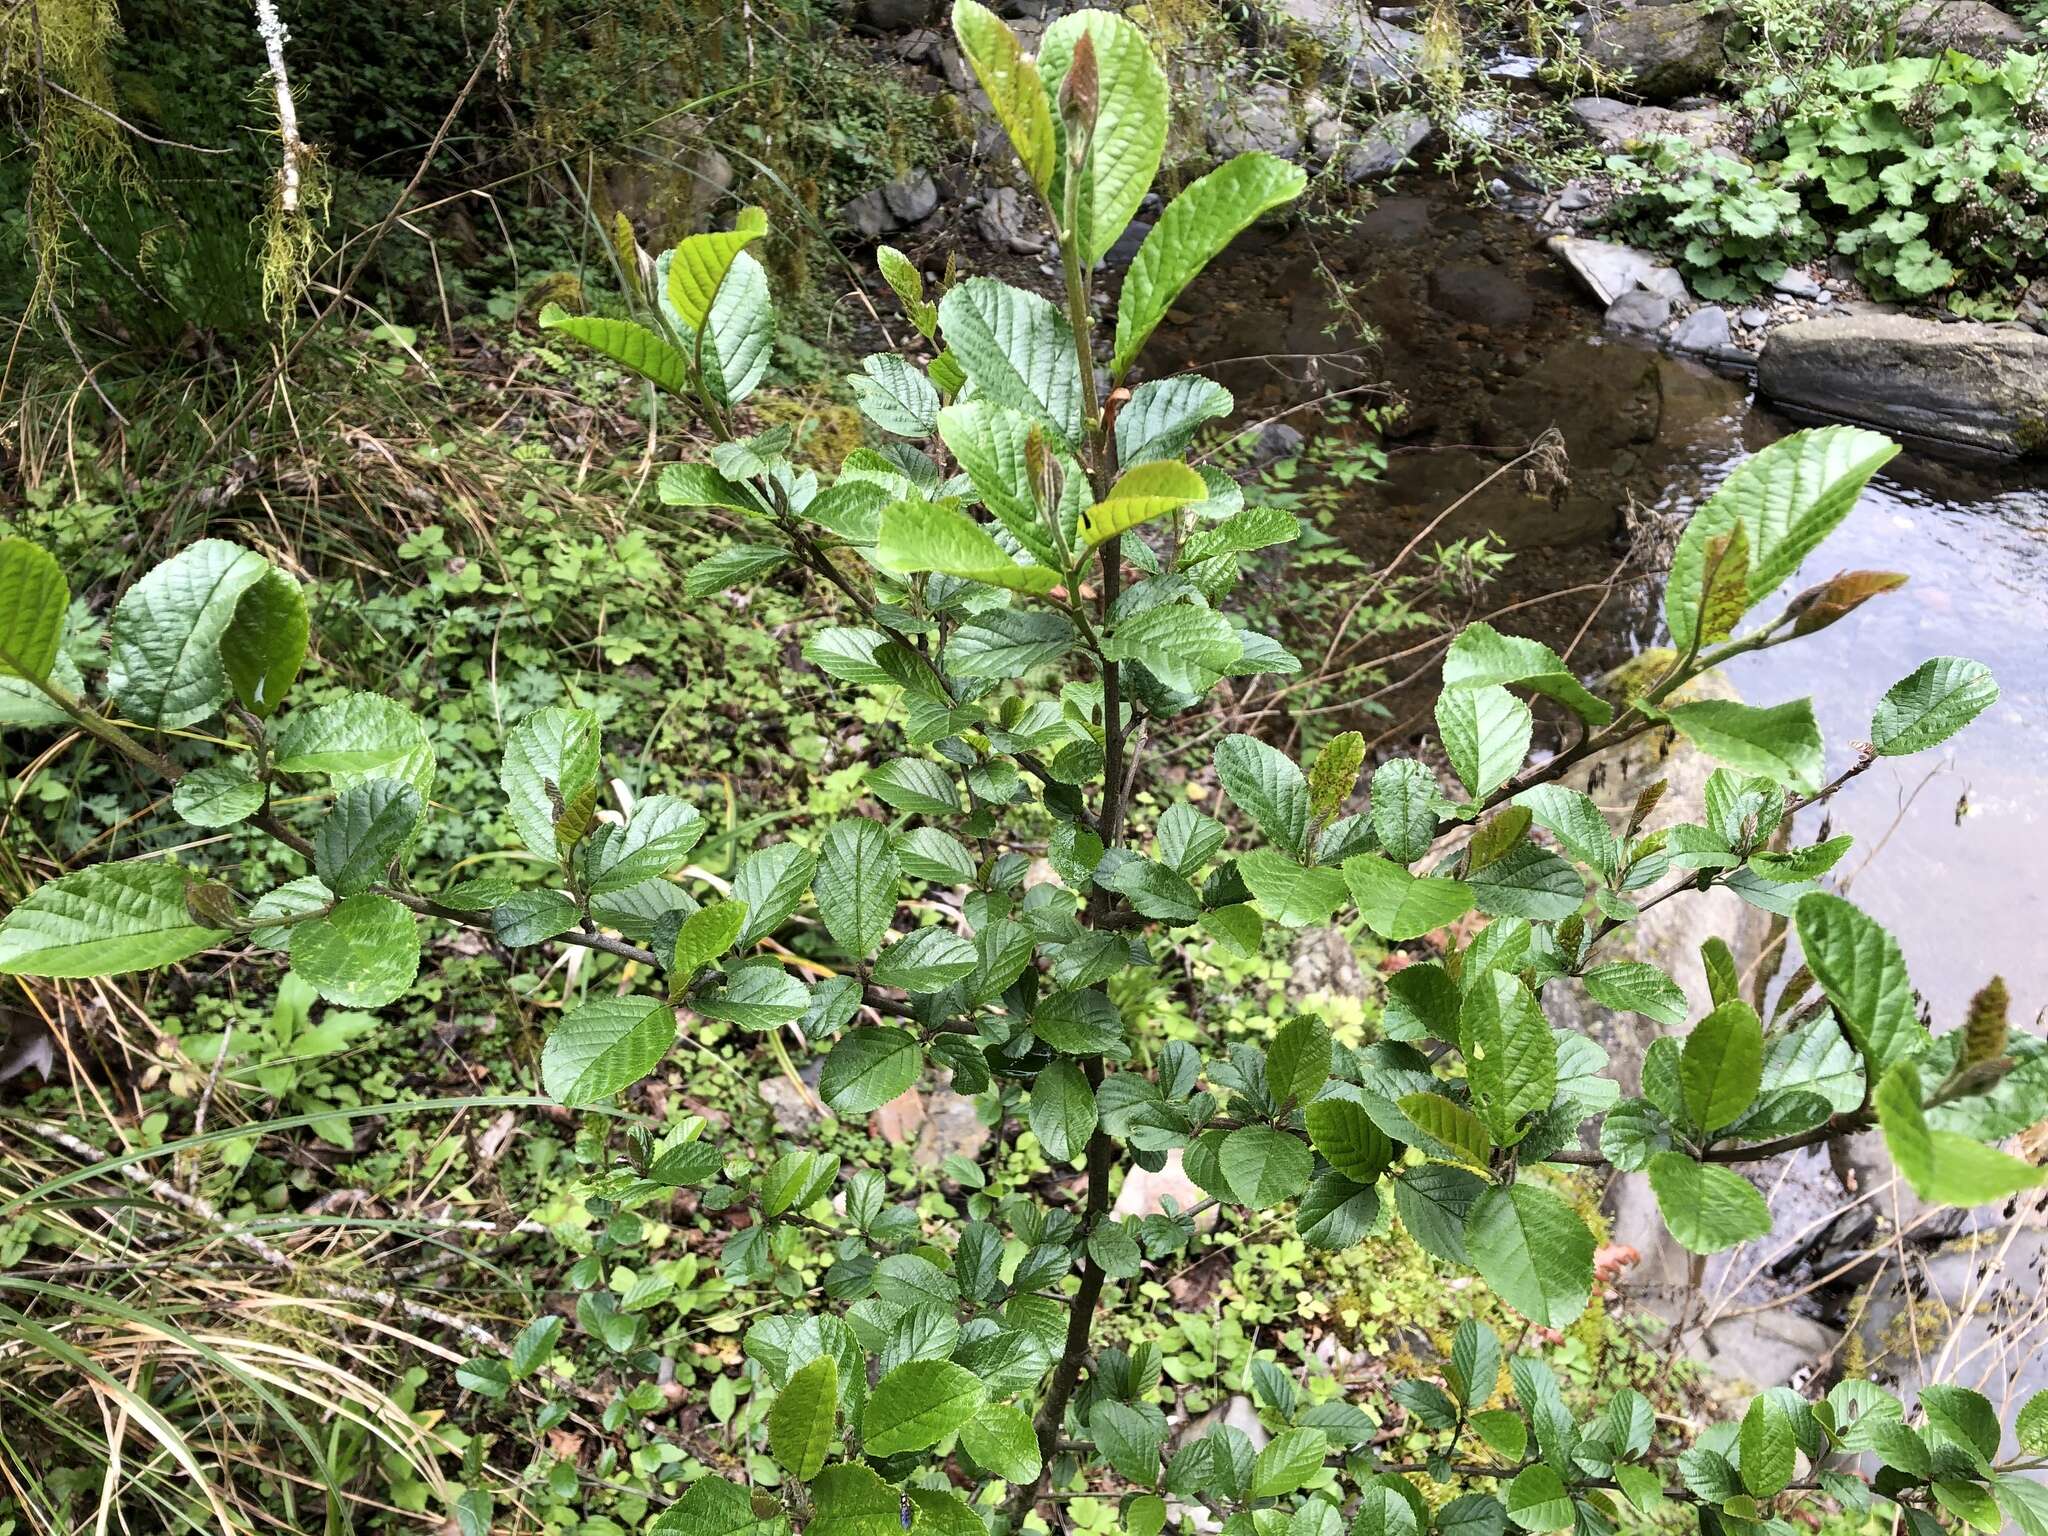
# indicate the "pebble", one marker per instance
pixel 1753 318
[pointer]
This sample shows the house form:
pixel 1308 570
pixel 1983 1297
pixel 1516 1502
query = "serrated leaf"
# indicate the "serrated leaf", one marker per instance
pixel 1186 646
pixel 1483 657
pixel 1000 1438
pixel 1706 1207
pixel 1208 214
pixel 1349 1140
pixel 1510 1057
pixel 1397 905
pixel 1721 1066
pixel 264 644
pixel 803 1420
pixel 356 738
pixel 1486 733
pixel 602 1048
pixel 928 960
pixel 1535 1252
pixel 1781 742
pixel 1937 700
pixel 1289 893
pixel 625 342
pixel 1161 418
pixel 1062 1113
pixel 1860 968
pixel 895 396
pixel 33 599
pixel 700 264
pixel 1944 1167
pixel 363 954
pixel 917 1405
pixel 756 995
pixel 1787 498
pixel 105 920
pixel 1457 1132
pixel 771 881
pixel 855 884
pixel 868 1067
pixel 1130 123
pixel 218 794
pixel 1140 494
pixel 368 826
pixel 1576 821
pixel 1268 787
pixel 165 667
pixel 1632 986
pixel 549 774
pixel 1017 350
pixel 1008 642
pixel 929 536
pixel 1016 94
pixel 1404 807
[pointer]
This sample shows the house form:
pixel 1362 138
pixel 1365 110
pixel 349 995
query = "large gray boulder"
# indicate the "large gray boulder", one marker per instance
pixel 1360 46
pixel 1666 51
pixel 1970 26
pixel 1981 387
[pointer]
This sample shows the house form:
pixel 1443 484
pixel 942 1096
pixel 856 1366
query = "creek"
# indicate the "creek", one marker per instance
pixel 1489 343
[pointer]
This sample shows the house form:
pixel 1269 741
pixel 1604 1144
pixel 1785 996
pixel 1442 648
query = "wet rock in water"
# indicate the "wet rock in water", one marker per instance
pixel 1797 284
pixel 1638 310
pixel 1322 963
pixel 1262 118
pixel 1968 26
pixel 1982 387
pixel 912 197
pixel 1610 270
pixel 1667 50
pixel 1704 330
pixel 1617 124
pixel 1386 145
pixel 1485 295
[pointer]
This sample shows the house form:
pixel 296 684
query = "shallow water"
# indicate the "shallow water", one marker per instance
pixel 1490 342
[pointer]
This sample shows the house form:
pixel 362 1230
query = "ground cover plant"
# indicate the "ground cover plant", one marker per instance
pixel 1031 586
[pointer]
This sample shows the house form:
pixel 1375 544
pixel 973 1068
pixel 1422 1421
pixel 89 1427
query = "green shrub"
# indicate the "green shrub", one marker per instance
pixel 1029 581
pixel 1734 226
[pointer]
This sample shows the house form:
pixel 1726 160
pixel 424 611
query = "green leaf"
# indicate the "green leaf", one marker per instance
pixel 1787 498
pixel 1263 1166
pixel 704 935
pixel 1781 742
pixel 33 598
pixel 1505 1432
pixel 1576 821
pixel 868 1067
pixel 733 566
pixel 1860 968
pixel 1404 807
pixel 626 343
pixel 1486 733
pixel 1510 1057
pixel 1208 214
pixel 1722 1065
pixel 264 644
pixel 105 920
pixel 1161 418
pixel 1537 1500
pixel 1336 1214
pixel 165 669
pixel 1129 1441
pixel 1139 495
pixel 915 784
pixel 1289 893
pixel 1770 1448
pixel 932 536
pixel 848 1498
pixel 1184 645
pixel 600 1049
pixel 1289 1460
pixel 701 485
pixel 1157 892
pixel 928 960
pixel 2030 1428
pixel 1062 1113
pixel 1529 882
pixel 758 994
pixel 1457 1132
pixel 1016 95
pixel 533 917
pixel 368 826
pixel 1267 786
pixel 999 1437
pixel 219 794
pixel 1130 124
pixel 712 1506
pixel 1535 1252
pixel 363 954
pixel 1936 701
pixel 356 738
pixel 656 839
pixel 803 1420
pixel 917 1405
pixel 1349 1140
pixel 1298 1061
pixel 530 1350
pixel 1963 1418
pixel 855 885
pixel 895 396
pixel 1397 905
pixel 1483 657
pixel 1944 1167
pixel 549 774
pixel 1707 1207
pixel 771 881
pixel 992 444
pixel 701 262
pixel 1006 643
pixel 1016 350
pixel 1631 986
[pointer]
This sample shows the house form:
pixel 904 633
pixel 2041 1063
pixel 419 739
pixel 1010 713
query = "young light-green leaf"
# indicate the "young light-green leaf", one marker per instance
pixel 1944 1167
pixel 1721 1067
pixel 104 920
pixel 803 1419
pixel 1130 122
pixel 363 954
pixel 701 262
pixel 931 536
pixel 1016 94
pixel 625 342
pixel 1397 905
pixel 1707 1207
pixel 1140 494
pixel 33 597
pixel 1781 742
pixel 1209 213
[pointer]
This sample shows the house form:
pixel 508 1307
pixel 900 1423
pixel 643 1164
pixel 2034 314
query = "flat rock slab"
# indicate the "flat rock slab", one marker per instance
pixel 1979 387
pixel 1611 270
